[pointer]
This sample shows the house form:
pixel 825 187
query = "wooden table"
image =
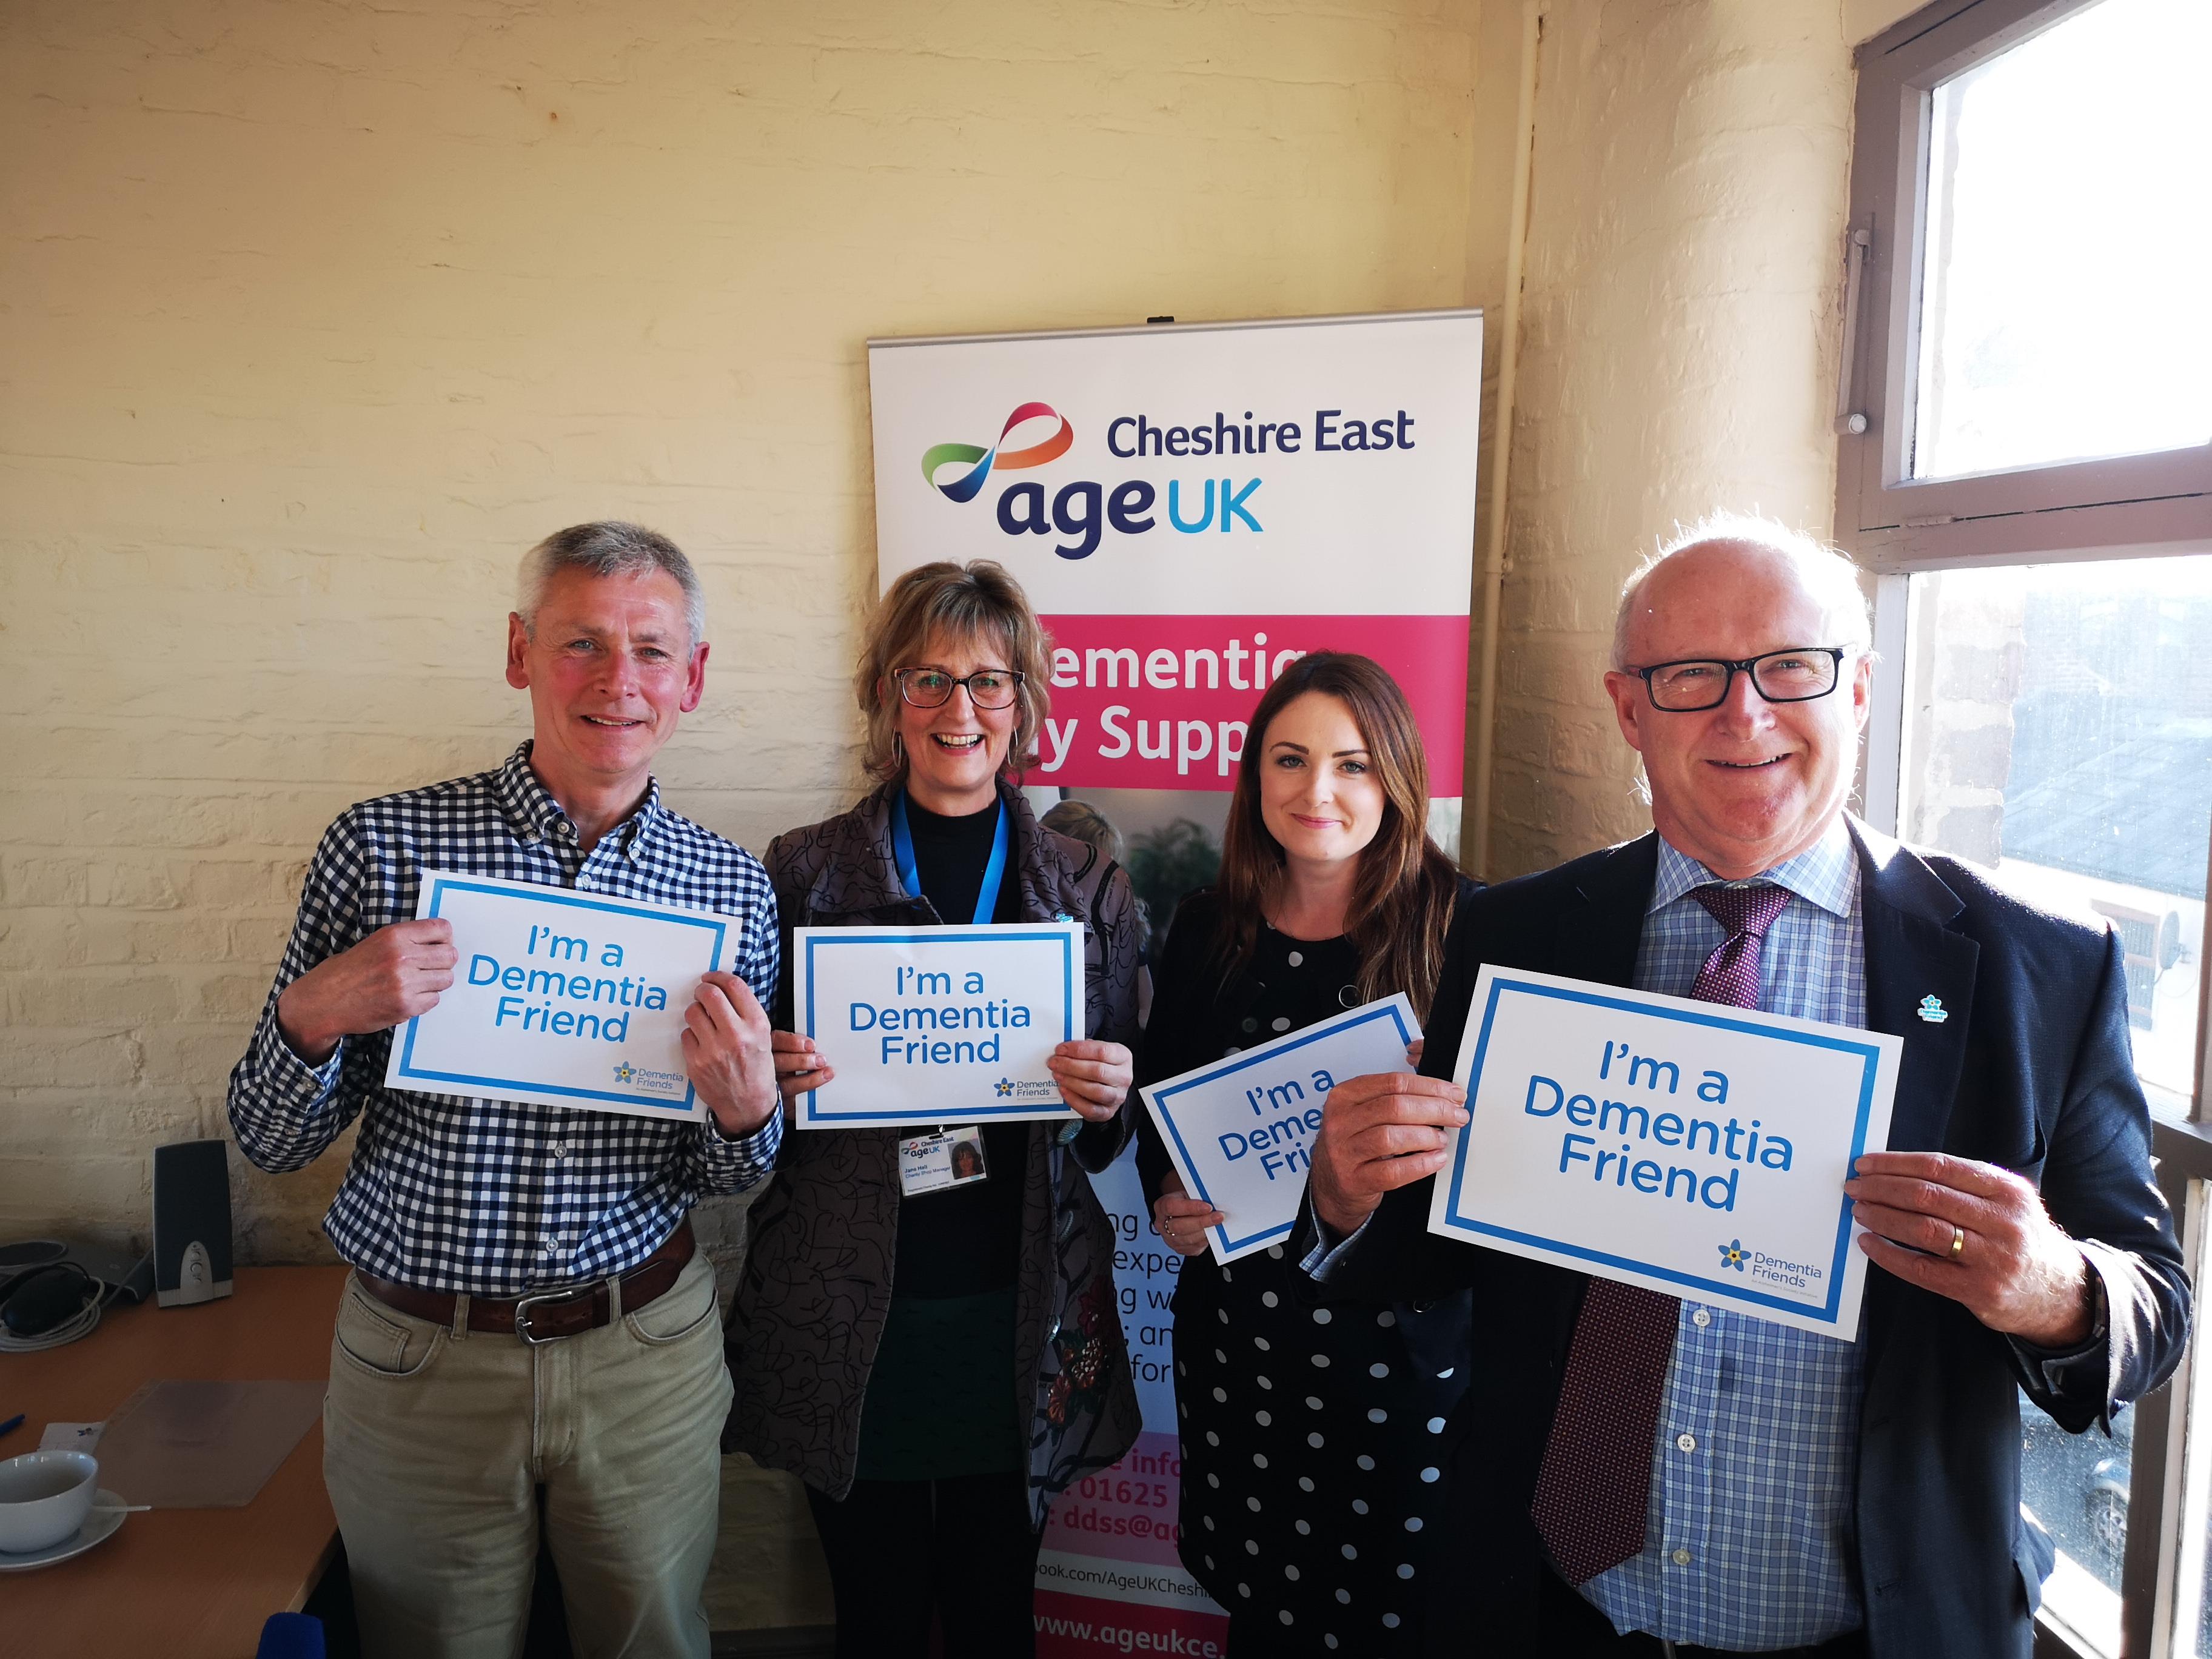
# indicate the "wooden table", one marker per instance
pixel 183 1583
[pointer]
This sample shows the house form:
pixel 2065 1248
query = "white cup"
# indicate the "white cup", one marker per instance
pixel 43 1498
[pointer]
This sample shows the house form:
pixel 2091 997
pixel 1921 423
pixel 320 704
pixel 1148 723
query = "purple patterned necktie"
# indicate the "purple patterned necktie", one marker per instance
pixel 1593 1492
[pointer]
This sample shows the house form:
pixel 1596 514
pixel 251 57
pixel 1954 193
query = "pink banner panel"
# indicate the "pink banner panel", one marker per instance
pixel 1163 702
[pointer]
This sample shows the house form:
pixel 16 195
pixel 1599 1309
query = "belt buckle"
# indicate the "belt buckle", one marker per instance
pixel 524 1304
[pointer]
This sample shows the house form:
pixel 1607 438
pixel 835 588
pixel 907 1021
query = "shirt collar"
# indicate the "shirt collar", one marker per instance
pixel 534 815
pixel 1825 874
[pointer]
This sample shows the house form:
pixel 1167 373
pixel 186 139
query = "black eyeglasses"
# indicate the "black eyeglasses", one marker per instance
pixel 932 687
pixel 1797 675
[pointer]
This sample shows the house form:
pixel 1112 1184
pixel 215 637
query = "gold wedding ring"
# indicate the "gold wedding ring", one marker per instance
pixel 1958 1241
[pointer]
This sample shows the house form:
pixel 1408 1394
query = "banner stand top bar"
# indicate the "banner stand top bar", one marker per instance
pixel 1173 328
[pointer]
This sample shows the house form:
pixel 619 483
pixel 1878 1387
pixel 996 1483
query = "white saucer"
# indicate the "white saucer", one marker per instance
pixel 98 1526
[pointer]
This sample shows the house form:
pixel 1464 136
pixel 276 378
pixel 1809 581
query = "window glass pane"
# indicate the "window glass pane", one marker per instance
pixel 2059 728
pixel 2068 247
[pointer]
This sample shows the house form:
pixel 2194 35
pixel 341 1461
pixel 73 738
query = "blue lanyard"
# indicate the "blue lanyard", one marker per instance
pixel 995 872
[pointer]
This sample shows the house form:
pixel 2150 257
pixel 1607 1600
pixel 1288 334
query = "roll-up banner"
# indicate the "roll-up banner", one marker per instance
pixel 1190 507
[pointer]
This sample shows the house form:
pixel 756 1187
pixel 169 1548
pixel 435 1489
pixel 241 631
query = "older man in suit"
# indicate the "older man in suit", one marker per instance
pixel 1647 1476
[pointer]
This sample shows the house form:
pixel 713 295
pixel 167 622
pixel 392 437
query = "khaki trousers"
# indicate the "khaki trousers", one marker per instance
pixel 436 1440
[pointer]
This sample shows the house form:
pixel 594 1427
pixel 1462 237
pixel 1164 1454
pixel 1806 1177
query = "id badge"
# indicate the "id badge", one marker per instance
pixel 933 1163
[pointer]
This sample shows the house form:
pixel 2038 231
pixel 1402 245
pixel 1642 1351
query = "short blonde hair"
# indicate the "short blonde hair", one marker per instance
pixel 1826 571
pixel 975 601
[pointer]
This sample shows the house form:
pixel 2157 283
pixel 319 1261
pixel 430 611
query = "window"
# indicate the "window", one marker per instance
pixel 2058 730
pixel 2025 462
pixel 2032 368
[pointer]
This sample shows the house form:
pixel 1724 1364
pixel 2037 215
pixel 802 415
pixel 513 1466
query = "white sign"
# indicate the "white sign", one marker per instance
pixel 1693 1148
pixel 1240 1132
pixel 1191 507
pixel 929 1025
pixel 560 998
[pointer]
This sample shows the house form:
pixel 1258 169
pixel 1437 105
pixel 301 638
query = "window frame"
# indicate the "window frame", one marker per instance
pixel 2133 505
pixel 2128 507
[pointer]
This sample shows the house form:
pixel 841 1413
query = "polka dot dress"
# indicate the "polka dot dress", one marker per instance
pixel 1314 1446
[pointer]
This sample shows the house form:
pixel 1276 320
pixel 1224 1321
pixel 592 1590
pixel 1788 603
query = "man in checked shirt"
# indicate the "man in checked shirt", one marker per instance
pixel 529 1330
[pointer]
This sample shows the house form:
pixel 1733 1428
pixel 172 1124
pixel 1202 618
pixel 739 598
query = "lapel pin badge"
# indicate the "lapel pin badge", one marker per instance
pixel 1933 1011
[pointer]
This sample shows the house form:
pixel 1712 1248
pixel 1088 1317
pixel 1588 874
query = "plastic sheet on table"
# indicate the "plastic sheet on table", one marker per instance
pixel 204 1445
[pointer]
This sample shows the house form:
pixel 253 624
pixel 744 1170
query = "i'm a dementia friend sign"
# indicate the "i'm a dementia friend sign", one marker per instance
pixel 927 1025
pixel 1240 1132
pixel 560 998
pixel 1693 1148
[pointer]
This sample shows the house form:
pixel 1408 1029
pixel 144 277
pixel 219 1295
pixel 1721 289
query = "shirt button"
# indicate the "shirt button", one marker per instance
pixel 559 1149
pixel 1686 1442
pixel 1282 1022
pixel 1700 1318
pixel 1681 1558
pixel 1298 958
pixel 1251 1024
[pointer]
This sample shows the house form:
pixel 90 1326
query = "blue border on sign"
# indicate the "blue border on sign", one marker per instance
pixel 813 1116
pixel 442 886
pixel 1272 1052
pixel 1713 1289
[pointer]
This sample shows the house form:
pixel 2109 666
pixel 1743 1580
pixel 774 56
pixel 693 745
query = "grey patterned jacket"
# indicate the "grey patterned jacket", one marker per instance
pixel 817 1285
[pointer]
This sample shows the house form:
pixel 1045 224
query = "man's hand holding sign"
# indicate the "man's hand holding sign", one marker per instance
pixel 391 976
pixel 727 1053
pixel 1980 1235
pixel 1378 1133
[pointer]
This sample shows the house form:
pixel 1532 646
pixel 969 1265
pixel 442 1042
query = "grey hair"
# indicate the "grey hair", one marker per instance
pixel 1826 571
pixel 608 548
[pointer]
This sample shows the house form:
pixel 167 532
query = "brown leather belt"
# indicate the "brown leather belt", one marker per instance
pixel 544 1316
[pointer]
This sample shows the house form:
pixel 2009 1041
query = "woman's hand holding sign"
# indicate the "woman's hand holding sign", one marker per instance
pixel 1377 1134
pixel 1978 1235
pixel 728 1050
pixel 1094 1078
pixel 391 976
pixel 800 1066
pixel 1180 1219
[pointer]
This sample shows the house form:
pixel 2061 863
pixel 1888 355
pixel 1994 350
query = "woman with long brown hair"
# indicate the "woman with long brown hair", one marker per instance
pixel 1313 1443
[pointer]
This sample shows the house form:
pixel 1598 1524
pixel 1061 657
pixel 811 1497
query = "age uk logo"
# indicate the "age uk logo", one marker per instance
pixel 979 461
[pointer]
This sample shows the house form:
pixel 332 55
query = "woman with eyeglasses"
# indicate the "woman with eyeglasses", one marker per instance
pixel 1315 1441
pixel 937 1360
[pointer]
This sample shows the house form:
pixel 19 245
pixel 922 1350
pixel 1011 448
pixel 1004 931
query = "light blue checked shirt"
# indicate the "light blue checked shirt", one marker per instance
pixel 1750 1542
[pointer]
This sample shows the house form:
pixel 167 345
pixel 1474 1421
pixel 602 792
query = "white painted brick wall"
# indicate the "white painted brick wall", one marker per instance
pixel 1680 321
pixel 313 317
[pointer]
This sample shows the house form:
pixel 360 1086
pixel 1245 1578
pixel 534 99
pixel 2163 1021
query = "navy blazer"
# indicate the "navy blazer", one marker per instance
pixel 2033 1071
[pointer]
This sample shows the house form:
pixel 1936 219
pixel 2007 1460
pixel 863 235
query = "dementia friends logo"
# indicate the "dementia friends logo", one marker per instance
pixel 661 1082
pixel 1798 1275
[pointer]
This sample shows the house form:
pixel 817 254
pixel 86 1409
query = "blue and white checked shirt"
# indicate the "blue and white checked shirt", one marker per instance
pixel 496 1199
pixel 1754 1472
